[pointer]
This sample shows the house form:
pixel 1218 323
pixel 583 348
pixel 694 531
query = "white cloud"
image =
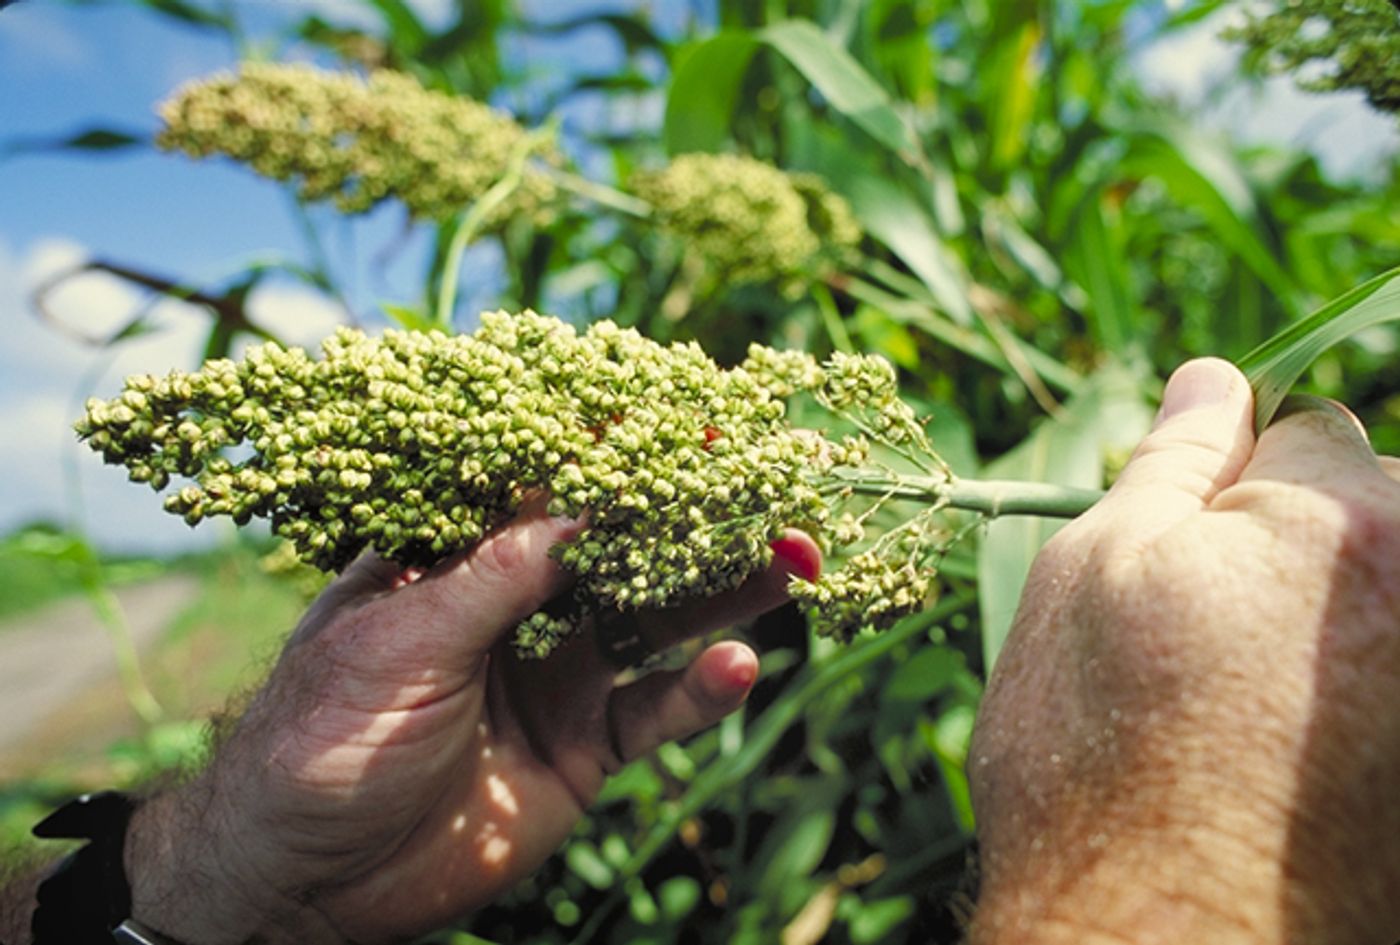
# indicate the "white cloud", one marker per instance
pixel 1189 63
pixel 1197 68
pixel 297 315
pixel 44 375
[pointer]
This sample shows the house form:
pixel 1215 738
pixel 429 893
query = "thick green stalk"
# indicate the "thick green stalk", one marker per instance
pixel 990 497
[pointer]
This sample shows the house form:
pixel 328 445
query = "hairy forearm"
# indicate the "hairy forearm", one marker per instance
pixel 17 890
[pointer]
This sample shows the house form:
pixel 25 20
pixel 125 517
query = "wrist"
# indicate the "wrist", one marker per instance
pixel 190 880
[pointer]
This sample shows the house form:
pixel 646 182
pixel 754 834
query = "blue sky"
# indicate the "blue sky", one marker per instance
pixel 65 68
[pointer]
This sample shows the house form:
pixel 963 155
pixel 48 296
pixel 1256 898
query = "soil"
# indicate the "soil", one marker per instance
pixel 54 660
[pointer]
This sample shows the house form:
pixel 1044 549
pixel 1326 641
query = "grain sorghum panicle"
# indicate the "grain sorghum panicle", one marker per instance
pixel 750 221
pixel 417 444
pixel 354 141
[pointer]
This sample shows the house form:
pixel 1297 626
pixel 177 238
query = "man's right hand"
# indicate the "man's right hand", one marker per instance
pixel 1193 733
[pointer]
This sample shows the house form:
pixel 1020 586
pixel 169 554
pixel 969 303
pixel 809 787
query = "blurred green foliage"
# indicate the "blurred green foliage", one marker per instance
pixel 1044 240
pixel 1332 44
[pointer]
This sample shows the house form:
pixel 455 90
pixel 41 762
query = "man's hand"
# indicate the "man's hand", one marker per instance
pixel 1193 733
pixel 402 767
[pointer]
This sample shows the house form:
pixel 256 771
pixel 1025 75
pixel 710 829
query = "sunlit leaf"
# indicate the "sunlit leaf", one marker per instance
pixel 843 82
pixel 1276 365
pixel 1110 413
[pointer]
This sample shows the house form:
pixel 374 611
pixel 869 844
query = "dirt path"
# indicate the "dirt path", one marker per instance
pixel 50 657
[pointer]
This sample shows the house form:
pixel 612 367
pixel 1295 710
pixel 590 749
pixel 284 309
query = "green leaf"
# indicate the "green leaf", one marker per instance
pixel 891 216
pixel 1108 414
pixel 844 83
pixel 408 317
pixel 1014 66
pixel 876 921
pixel 584 860
pixel 707 78
pixel 191 13
pixel 1097 261
pixel 1274 367
pixel 1203 175
pixel 407 31
pixel 796 844
pixel 93 139
pixel 928 672
pixel 704 89
pixel 678 897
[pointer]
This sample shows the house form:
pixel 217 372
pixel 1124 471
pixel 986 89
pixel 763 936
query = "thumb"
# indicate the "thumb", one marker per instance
pixel 1200 442
pixel 472 599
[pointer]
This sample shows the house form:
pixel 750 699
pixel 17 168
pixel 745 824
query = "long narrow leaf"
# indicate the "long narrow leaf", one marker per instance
pixel 1274 366
pixel 844 83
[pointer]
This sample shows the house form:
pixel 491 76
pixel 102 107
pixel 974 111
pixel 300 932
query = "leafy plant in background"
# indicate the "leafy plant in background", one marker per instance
pixel 1041 239
pixel 1334 45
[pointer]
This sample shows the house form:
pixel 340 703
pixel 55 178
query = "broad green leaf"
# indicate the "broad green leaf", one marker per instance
pixel 707 79
pixel 191 13
pixel 408 317
pixel 1016 68
pixel 678 897
pixel 923 316
pixel 929 671
pixel 407 31
pixel 704 87
pixel 796 843
pixel 844 83
pixel 1274 367
pixel 1108 414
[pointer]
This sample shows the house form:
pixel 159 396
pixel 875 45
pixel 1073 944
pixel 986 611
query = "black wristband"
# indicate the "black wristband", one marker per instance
pixel 87 899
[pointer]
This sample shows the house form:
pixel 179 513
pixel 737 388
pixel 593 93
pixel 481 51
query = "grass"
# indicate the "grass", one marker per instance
pixel 218 647
pixel 39 567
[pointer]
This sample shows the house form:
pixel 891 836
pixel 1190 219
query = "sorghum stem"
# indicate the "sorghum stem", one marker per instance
pixel 601 194
pixel 991 497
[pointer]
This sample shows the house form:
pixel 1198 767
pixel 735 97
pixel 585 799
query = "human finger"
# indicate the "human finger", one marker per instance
pixel 1198 444
pixel 477 596
pixel 1390 465
pixel 665 706
pixel 1311 442
pixel 630 638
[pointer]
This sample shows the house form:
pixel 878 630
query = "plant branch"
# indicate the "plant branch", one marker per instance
pixel 600 194
pixel 989 497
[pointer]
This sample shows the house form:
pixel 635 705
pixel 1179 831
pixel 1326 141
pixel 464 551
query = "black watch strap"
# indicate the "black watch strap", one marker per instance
pixel 86 900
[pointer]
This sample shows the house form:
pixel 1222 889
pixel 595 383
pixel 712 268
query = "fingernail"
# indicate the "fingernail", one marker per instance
pixel 1203 383
pixel 800 557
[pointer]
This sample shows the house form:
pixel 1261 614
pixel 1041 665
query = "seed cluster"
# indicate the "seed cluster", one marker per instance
pixel 353 141
pixel 750 221
pixel 417 444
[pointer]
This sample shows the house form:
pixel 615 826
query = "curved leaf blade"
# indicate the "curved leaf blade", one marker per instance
pixel 704 88
pixel 1275 366
pixel 844 83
